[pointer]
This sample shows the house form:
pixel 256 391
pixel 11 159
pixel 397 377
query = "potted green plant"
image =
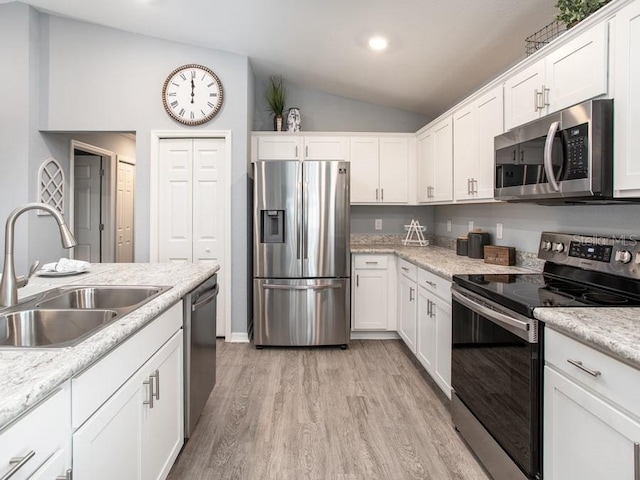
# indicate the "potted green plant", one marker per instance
pixel 573 11
pixel 276 95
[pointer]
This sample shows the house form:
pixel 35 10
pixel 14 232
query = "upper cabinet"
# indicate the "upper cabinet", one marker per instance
pixel 435 162
pixel 296 147
pixel 626 179
pixel 573 73
pixel 474 127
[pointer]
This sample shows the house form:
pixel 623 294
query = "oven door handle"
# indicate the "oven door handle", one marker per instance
pixel 548 156
pixel 514 325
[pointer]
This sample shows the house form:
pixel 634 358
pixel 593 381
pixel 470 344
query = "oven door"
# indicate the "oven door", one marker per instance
pixel 495 373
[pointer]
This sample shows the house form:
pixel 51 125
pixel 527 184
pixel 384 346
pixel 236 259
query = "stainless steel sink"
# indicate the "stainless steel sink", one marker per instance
pixel 64 316
pixel 44 328
pixel 98 297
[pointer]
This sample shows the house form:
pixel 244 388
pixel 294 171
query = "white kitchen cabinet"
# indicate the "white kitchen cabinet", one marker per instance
pixel 474 127
pixel 40 435
pixel 435 163
pixel 433 348
pixel 286 146
pixel 571 74
pixel 373 295
pixel 407 303
pixel 591 413
pixel 119 432
pixel 379 169
pixel 626 74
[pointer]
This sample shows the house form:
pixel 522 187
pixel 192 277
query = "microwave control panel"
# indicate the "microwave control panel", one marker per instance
pixel 576 141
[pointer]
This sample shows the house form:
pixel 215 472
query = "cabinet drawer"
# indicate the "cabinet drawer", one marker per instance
pixel 96 384
pixel 370 261
pixel 408 269
pixel 435 284
pixel 43 430
pixel 616 381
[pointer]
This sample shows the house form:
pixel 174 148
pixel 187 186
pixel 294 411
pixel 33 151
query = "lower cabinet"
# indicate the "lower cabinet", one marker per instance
pixel 407 304
pixel 433 347
pixel 588 435
pixel 373 293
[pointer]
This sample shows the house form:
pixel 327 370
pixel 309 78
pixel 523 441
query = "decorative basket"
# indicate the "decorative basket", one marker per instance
pixel 542 37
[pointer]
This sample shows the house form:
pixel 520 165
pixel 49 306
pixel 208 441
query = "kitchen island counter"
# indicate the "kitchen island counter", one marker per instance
pixel 29 375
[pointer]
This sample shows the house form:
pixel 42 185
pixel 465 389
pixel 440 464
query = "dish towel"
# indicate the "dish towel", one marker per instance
pixel 66 265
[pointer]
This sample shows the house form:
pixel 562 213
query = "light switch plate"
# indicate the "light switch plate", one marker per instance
pixel 378 224
pixel 449 225
pixel 499 231
pixel 471 225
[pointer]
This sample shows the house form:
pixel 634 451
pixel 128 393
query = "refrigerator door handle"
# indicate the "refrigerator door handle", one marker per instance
pixel 305 222
pixel 301 287
pixel 298 212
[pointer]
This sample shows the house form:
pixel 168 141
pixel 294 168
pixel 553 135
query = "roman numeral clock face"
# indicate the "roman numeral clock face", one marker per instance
pixel 192 94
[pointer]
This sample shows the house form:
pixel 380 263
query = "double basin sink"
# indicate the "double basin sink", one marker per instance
pixel 65 316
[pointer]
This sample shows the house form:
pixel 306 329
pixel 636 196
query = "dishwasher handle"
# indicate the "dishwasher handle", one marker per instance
pixel 208 299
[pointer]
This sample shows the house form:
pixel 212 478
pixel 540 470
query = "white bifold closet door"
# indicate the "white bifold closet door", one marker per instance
pixel 191 201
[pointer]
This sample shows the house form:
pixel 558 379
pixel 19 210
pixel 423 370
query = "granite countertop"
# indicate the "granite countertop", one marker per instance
pixel 29 375
pixel 438 260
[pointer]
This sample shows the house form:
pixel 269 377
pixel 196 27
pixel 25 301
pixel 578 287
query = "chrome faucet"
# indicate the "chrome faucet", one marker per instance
pixel 9 282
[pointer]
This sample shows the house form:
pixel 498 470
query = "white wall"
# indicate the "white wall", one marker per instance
pixel 523 223
pixel 331 113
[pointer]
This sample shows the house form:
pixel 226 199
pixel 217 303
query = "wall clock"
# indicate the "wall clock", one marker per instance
pixel 192 94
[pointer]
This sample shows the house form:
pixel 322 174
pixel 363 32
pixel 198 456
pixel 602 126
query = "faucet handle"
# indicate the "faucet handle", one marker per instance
pixel 23 280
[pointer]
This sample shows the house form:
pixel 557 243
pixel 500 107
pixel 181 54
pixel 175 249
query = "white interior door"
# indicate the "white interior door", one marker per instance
pixel 125 192
pixel 87 202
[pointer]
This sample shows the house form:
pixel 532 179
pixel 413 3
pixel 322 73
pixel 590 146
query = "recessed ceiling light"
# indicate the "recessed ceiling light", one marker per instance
pixel 378 43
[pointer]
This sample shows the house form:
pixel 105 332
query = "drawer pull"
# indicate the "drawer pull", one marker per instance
pixel 578 363
pixel 67 476
pixel 433 284
pixel 149 383
pixel 636 461
pixel 18 463
pixel 371 263
pixel 156 375
pixel 405 269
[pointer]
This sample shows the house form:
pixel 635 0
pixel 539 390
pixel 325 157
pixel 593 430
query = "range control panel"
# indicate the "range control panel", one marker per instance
pixel 616 255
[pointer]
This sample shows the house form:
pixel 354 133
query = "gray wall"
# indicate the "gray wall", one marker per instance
pixel 321 111
pixel 522 223
pixel 393 217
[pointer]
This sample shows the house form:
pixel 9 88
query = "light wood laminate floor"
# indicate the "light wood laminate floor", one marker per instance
pixel 323 413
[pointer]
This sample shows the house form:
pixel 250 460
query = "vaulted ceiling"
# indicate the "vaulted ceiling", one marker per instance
pixel 439 50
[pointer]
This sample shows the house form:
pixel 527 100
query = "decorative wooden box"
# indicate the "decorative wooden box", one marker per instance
pixel 499 255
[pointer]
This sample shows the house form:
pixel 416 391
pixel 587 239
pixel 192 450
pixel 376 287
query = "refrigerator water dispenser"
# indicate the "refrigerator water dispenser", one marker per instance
pixel 272 226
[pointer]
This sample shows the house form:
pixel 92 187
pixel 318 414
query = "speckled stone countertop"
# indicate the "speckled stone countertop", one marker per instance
pixel 614 331
pixel 29 375
pixel 441 261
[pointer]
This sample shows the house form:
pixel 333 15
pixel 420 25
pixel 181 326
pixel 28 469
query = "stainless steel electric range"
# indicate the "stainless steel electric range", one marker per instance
pixel 497 354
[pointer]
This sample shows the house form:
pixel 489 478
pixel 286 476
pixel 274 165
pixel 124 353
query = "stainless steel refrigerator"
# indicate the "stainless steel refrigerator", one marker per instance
pixel 301 254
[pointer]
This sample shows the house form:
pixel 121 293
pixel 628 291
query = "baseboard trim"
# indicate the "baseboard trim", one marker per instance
pixel 374 335
pixel 239 337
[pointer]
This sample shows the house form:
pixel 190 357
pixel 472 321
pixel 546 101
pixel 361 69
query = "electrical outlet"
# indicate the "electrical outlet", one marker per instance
pixel 378 224
pixel 449 225
pixel 499 231
pixel 471 225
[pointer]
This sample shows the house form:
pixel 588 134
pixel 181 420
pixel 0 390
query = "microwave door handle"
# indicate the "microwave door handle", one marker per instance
pixel 548 159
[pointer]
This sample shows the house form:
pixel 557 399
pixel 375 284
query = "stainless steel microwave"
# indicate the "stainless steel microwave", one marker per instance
pixel 566 157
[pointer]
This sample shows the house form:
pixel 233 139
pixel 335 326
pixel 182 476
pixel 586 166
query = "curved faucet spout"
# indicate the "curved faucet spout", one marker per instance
pixel 9 283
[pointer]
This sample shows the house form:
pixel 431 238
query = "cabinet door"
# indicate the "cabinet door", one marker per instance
pixel 490 118
pixel 109 444
pixel 279 147
pixel 163 430
pixel 585 438
pixel 465 151
pixel 370 299
pixel 56 467
pixel 426 334
pixel 394 170
pixel 364 169
pixel 577 71
pixel 325 148
pixel 626 180
pixel 426 162
pixel 442 311
pixel 443 161
pixel 520 100
pixel 407 312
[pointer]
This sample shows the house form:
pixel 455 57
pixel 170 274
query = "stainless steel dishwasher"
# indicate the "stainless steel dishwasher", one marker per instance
pixel 199 350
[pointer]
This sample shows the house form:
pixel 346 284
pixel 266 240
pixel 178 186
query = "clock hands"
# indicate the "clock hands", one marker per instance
pixel 193 86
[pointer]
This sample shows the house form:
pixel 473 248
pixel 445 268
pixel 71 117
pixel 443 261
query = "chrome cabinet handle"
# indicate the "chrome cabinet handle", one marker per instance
pixel 433 284
pixel 149 383
pixel 67 476
pixel 306 151
pixel 411 294
pixel 156 375
pixel 382 194
pixel 296 155
pixel 376 194
pixel 429 308
pixel 578 363
pixel 536 102
pixel 18 463
pixel 371 263
pixel 546 96
pixel 636 461
pixel 357 280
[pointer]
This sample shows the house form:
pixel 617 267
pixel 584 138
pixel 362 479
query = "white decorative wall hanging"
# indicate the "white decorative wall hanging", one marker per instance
pixel 51 185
